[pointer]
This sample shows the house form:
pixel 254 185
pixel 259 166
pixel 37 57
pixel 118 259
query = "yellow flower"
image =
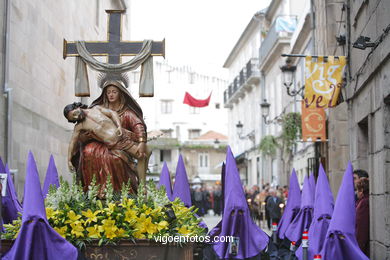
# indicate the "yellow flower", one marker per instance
pixel 183 230
pixel 145 224
pixel 110 209
pixel 50 213
pixel 156 211
pixel 72 217
pixel 139 235
pixel 77 229
pixel 121 233
pixel 163 224
pixel 127 203
pixel 61 230
pixel 130 215
pixel 146 209
pixel 91 216
pixel 109 228
pixel 94 232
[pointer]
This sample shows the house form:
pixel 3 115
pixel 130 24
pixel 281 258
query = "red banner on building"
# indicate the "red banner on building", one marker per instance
pixel 313 123
pixel 193 102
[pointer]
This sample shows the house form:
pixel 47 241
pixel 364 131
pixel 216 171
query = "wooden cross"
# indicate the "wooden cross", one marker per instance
pixel 114 48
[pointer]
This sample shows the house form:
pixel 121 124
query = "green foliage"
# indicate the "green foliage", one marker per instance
pixel 268 145
pixel 291 129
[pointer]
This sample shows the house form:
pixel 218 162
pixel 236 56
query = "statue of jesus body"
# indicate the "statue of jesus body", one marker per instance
pixel 103 125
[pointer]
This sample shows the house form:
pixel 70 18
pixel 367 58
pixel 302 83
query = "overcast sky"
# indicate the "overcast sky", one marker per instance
pixel 197 33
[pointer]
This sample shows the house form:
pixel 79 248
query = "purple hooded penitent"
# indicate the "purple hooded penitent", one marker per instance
pixel 165 180
pixel 236 220
pixel 292 207
pixel 340 241
pixel 37 239
pixel 51 177
pixel 323 210
pixel 11 205
pixel 181 188
pixel 304 217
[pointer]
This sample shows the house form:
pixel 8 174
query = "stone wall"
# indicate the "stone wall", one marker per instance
pixel 368 94
pixel 42 81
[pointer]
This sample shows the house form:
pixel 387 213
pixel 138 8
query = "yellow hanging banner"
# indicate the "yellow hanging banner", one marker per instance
pixel 313 124
pixel 323 80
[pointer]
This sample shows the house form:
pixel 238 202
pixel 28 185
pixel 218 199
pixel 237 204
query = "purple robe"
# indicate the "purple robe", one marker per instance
pixel 304 217
pixel 51 177
pixel 236 220
pixel 165 180
pixel 292 207
pixel 11 205
pixel 323 210
pixel 37 239
pixel 340 241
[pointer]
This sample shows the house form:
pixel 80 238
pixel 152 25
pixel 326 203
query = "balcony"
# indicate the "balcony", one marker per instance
pixel 278 35
pixel 248 76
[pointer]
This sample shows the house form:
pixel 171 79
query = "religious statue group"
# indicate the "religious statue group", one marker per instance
pixel 109 138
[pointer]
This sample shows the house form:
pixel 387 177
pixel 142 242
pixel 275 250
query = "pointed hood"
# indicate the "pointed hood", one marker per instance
pixel 340 241
pixel 236 220
pixel 2 167
pixel 292 207
pixel 11 205
pixel 37 239
pixel 51 177
pixel 181 188
pixel 304 217
pixel 323 210
pixel 165 180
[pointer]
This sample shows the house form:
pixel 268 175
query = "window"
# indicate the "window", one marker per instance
pixel 217 106
pixel 194 110
pixel 203 160
pixel 165 155
pixel 166 106
pixel 167 132
pixel 193 133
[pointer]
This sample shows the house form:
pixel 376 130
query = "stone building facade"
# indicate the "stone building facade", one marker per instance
pixel 40 80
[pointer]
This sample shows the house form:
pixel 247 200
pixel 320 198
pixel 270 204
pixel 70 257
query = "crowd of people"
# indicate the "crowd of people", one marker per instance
pixel 266 205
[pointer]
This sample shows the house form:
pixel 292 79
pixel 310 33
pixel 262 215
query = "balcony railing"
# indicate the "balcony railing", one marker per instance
pixel 247 76
pixel 282 27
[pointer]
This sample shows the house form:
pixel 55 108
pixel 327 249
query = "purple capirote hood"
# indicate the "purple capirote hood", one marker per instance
pixel 304 217
pixel 236 220
pixel 165 180
pixel 11 205
pixel 37 239
pixel 340 241
pixel 323 210
pixel 181 187
pixel 51 177
pixel 292 207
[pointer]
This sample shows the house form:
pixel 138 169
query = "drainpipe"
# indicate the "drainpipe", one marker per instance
pixel 263 132
pixel 7 91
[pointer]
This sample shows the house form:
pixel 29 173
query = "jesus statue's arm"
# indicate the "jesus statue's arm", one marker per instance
pixel 72 146
pixel 114 117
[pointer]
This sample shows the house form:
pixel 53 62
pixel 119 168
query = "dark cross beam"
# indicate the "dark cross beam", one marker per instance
pixel 114 47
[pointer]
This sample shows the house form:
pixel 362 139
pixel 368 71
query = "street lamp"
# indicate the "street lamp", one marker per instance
pixel 250 136
pixel 216 143
pixel 288 78
pixel 265 111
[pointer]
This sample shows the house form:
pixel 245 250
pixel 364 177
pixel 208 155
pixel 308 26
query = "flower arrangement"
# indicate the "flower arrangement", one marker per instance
pixel 82 217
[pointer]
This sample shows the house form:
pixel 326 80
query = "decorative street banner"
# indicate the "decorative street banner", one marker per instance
pixel 193 102
pixel 323 80
pixel 313 123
